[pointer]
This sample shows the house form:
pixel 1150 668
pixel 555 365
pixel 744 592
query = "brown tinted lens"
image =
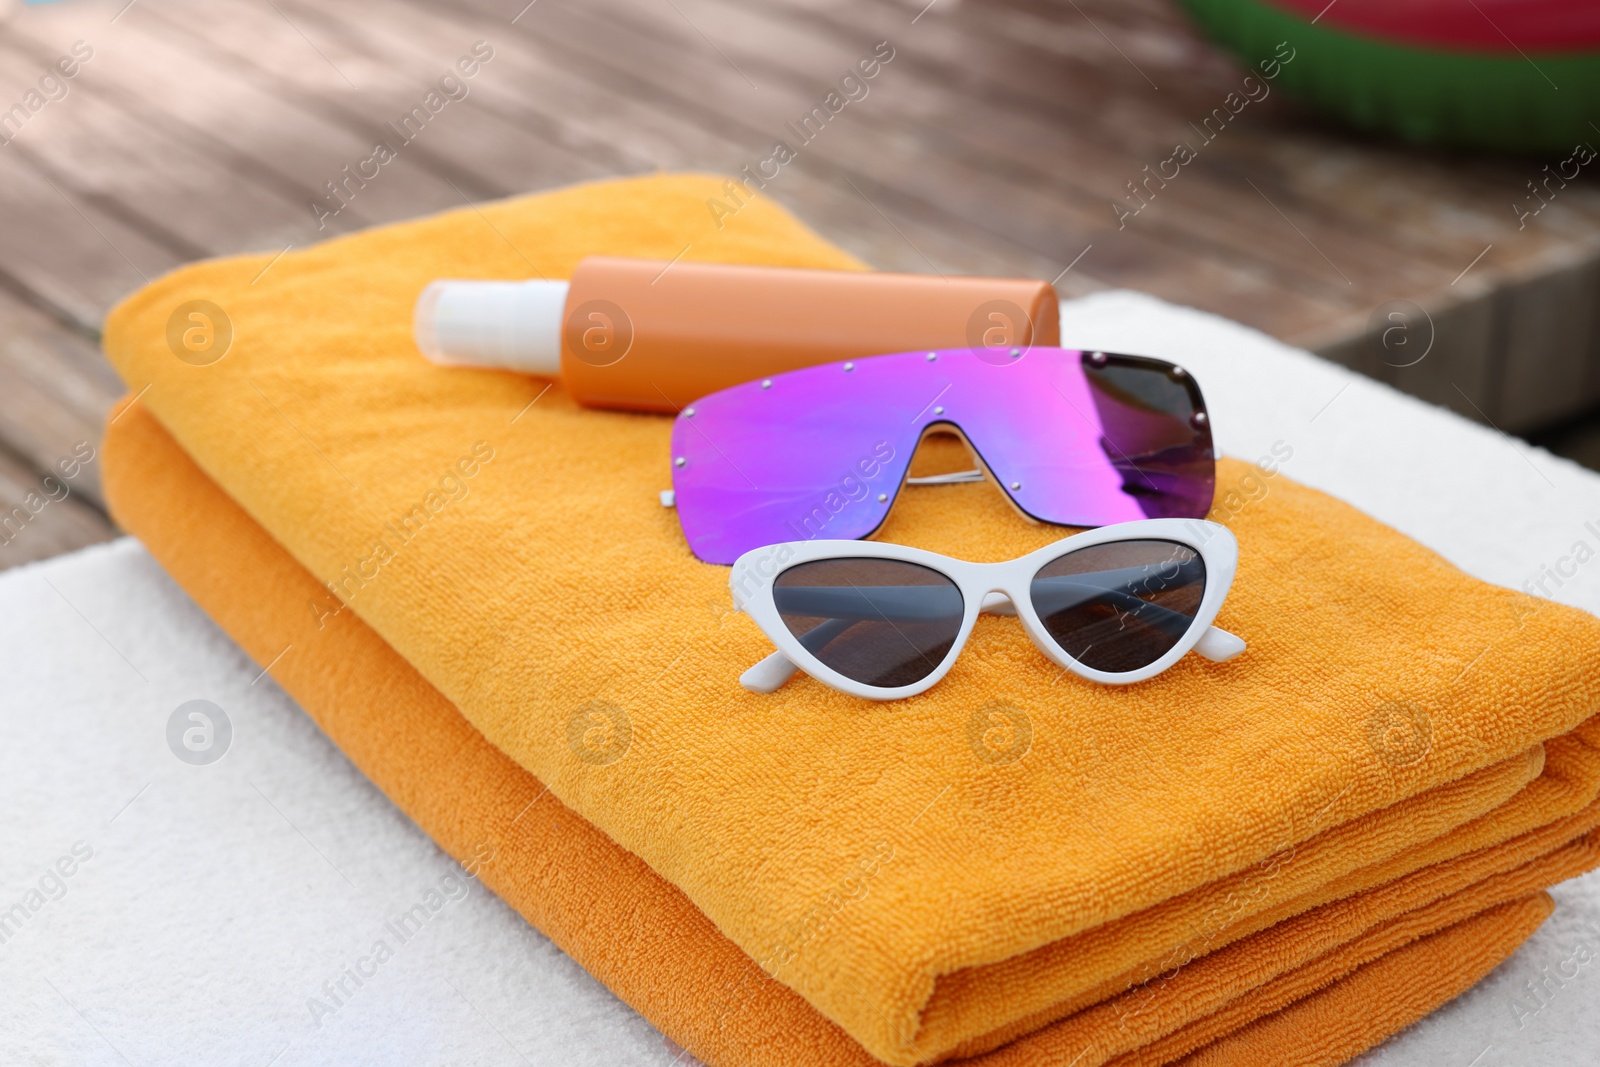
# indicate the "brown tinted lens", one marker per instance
pixel 1121 606
pixel 879 622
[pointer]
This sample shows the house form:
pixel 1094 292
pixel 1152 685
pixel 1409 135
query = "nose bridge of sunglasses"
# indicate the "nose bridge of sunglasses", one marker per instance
pixel 942 455
pixel 997 603
pixel 941 446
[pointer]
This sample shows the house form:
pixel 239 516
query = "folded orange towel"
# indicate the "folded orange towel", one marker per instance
pixel 643 938
pixel 922 897
pixel 1337 1023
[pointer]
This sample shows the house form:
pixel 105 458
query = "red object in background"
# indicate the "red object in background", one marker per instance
pixel 1497 26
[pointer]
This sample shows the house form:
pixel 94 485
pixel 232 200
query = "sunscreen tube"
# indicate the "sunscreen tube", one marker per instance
pixel 648 335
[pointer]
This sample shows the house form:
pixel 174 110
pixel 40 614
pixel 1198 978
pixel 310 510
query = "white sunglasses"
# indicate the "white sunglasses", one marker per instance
pixel 1117 605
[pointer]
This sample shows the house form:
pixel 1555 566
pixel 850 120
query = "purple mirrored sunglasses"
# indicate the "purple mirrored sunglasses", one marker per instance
pixel 1072 437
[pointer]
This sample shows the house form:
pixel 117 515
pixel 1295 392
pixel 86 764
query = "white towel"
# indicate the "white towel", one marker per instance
pixel 221 905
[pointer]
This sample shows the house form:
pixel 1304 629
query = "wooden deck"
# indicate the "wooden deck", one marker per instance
pixel 1001 138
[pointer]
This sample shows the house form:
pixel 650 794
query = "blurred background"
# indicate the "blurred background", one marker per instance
pixel 1414 201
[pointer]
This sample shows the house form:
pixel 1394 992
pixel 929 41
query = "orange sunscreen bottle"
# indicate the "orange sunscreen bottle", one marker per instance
pixel 647 335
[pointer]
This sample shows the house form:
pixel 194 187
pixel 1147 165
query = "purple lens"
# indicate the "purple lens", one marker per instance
pixel 1075 438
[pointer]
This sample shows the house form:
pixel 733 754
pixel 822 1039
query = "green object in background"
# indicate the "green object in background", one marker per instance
pixel 1507 102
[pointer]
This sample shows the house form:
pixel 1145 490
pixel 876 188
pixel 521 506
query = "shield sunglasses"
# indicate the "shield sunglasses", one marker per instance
pixel 1116 605
pixel 1072 437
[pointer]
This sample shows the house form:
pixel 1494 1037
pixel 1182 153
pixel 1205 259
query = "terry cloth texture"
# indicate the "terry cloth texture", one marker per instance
pixel 914 882
pixel 1333 1025
pixel 652 946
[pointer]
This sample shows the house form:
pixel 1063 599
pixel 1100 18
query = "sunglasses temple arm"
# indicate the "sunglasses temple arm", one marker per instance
pixel 1218 645
pixel 769 675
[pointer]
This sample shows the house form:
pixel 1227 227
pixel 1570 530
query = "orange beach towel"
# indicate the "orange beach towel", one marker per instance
pixel 926 899
pixel 1280 996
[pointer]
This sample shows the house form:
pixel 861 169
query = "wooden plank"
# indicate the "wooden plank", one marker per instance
pixel 154 181
pixel 1445 208
pixel 67 255
pixel 1461 370
pixel 557 80
pixel 1445 354
pixel 261 129
pixel 259 132
pixel 1531 344
pixel 395 68
pixel 899 147
pixel 55 389
pixel 1577 440
pixel 634 133
pixel 1436 205
pixel 350 79
pixel 599 155
pixel 40 519
pixel 1552 355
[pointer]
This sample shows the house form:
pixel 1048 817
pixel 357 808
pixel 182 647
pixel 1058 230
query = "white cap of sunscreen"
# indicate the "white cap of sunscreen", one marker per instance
pixel 511 325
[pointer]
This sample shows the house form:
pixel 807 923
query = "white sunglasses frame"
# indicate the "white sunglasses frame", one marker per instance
pixel 998 588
